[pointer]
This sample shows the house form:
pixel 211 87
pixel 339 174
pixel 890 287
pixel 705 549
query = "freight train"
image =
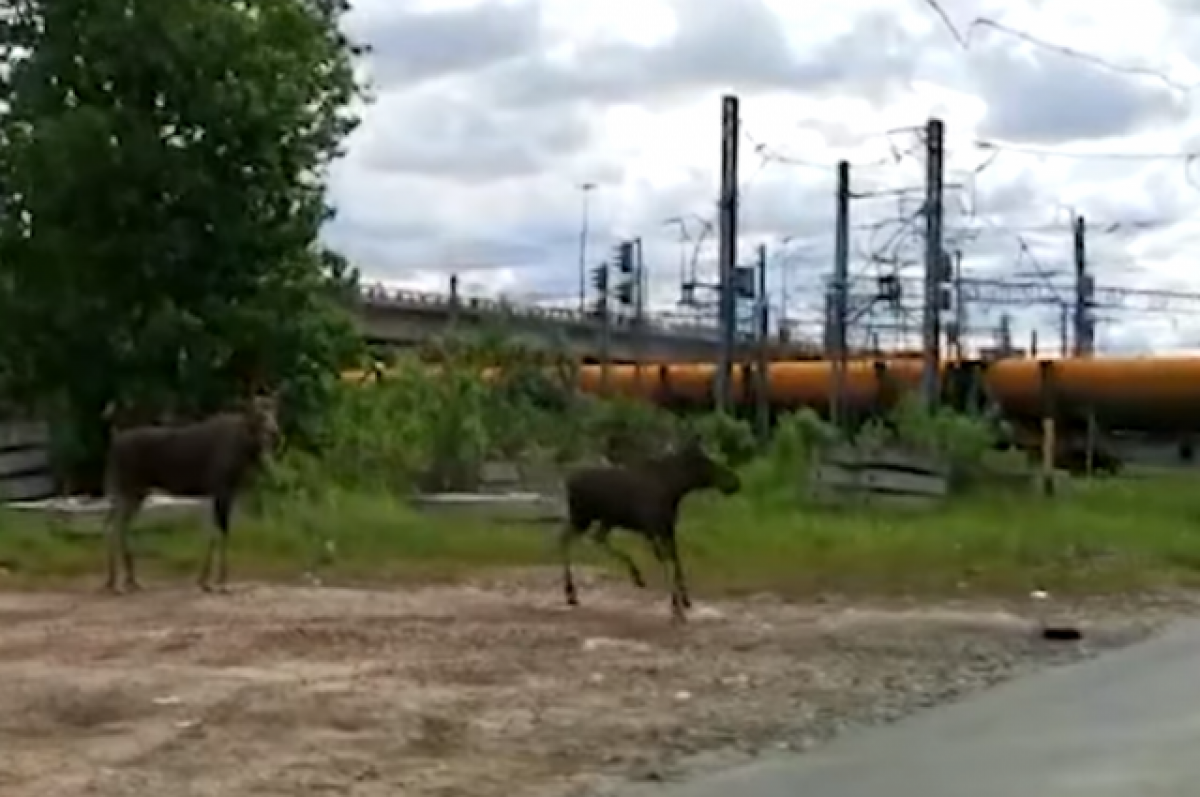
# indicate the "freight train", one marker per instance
pixel 1145 394
pixel 1157 397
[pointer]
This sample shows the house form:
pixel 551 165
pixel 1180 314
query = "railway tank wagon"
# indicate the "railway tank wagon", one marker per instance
pixel 1157 395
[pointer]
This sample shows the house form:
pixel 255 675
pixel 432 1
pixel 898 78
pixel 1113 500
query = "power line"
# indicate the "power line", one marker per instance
pixel 1045 152
pixel 885 248
pixel 1187 159
pixel 771 154
pixel 964 40
pixel 1037 292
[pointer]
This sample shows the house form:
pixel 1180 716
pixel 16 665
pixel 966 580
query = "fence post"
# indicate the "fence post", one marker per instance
pixel 1049 430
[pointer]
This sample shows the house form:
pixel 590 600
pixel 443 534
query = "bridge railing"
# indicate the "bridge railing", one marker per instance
pixel 400 297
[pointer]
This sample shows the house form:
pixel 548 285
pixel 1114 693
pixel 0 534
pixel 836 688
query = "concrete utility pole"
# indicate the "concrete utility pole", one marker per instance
pixel 1064 330
pixel 606 329
pixel 960 310
pixel 454 299
pixel 840 310
pixel 934 262
pixel 639 309
pixel 1085 333
pixel 782 324
pixel 727 249
pixel 586 189
pixel 643 282
pixel 1004 336
pixel 763 386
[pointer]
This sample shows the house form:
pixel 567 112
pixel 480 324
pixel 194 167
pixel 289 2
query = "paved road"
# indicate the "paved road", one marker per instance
pixel 1125 724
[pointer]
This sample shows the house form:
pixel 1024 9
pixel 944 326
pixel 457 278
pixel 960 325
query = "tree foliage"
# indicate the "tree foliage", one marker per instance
pixel 162 170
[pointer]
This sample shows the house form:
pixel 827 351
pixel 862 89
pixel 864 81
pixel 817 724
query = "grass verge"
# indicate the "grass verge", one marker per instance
pixel 1101 537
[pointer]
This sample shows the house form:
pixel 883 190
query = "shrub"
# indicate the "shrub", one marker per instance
pixel 431 426
pixel 729 439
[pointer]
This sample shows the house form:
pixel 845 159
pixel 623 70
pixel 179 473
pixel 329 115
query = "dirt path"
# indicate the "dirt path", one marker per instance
pixel 491 689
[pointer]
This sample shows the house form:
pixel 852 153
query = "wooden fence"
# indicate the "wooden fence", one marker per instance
pixel 25 468
pixel 894 475
pixel 506 493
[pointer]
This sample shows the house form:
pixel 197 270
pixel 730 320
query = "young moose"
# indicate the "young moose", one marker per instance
pixel 642 498
pixel 209 459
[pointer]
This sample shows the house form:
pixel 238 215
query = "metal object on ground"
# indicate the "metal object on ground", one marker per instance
pixel 1061 633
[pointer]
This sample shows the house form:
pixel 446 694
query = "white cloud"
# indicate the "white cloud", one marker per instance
pixel 491 114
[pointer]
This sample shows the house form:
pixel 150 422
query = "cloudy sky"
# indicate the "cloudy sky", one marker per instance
pixel 489 115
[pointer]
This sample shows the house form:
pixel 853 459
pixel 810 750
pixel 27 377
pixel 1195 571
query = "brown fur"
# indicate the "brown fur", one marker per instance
pixel 645 499
pixel 207 459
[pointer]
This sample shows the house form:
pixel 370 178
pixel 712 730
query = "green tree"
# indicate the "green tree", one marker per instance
pixel 162 186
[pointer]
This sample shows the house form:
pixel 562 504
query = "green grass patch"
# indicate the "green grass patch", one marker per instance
pixel 1100 537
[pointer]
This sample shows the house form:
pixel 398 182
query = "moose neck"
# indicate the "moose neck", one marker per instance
pixel 676 480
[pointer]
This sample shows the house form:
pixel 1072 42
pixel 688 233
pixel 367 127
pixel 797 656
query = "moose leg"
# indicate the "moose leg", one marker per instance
pixel 681 588
pixel 125 509
pixel 224 511
pixel 218 541
pixel 659 543
pixel 602 538
pixel 566 538
pixel 114 549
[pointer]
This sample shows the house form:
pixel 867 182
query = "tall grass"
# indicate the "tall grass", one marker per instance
pixel 1102 537
pixel 342 512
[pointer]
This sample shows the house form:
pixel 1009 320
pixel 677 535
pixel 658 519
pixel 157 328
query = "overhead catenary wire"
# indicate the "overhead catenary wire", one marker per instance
pixel 964 38
pixel 884 244
pixel 974 221
pixel 1052 152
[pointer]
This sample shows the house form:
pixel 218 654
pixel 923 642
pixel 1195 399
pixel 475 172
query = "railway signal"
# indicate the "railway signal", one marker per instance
pixel 600 284
pixel 626 292
pixel 743 282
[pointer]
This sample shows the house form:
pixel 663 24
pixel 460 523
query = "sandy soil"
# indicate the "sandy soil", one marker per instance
pixel 484 689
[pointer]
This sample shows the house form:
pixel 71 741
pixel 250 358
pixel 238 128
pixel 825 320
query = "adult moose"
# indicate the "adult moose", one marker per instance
pixel 643 498
pixel 205 459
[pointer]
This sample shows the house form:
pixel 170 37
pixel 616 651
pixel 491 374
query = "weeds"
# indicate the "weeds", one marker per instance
pixel 342 512
pixel 1105 536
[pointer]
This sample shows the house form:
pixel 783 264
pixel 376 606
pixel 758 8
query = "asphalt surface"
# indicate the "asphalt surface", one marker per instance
pixel 1126 723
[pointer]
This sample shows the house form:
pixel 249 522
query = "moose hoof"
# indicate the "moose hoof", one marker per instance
pixel 109 588
pixel 131 586
pixel 214 589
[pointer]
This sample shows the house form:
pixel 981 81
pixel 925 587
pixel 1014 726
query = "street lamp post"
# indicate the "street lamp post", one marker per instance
pixel 586 188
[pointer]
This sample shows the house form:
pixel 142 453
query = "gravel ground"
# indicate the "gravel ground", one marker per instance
pixel 489 688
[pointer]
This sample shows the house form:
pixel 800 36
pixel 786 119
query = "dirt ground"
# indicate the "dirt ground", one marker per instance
pixel 490 688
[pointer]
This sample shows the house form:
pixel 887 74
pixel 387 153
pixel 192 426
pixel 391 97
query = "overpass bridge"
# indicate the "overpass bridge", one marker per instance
pixel 406 318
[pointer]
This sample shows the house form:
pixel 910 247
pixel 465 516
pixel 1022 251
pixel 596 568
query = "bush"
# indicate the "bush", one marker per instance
pixel 730 440
pixel 961 438
pixel 963 441
pixel 340 504
pixel 432 425
pixel 789 455
pixel 623 430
